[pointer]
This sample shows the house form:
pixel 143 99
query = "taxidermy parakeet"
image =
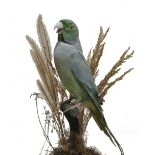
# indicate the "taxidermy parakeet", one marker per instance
pixel 75 74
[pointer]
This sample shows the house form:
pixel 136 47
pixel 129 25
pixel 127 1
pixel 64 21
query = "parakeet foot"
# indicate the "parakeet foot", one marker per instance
pixel 70 108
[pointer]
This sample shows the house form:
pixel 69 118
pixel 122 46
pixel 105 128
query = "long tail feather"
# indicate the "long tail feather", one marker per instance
pixel 98 116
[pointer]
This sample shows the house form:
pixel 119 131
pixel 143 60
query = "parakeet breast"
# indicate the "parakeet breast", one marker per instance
pixel 67 78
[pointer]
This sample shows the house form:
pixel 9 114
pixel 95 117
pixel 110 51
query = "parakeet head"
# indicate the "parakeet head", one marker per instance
pixel 67 31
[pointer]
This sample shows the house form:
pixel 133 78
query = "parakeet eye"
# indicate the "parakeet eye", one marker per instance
pixel 72 27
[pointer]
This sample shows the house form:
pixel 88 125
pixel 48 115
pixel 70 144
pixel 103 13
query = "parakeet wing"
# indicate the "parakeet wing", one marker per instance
pixel 82 73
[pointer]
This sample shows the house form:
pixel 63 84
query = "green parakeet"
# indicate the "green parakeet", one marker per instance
pixel 76 76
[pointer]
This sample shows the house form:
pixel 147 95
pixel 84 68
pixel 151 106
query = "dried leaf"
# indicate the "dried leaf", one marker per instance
pixel 95 54
pixel 48 75
pixel 33 44
pixel 44 38
pixel 115 69
pixel 109 85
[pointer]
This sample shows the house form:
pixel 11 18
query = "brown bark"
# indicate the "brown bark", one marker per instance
pixel 75 141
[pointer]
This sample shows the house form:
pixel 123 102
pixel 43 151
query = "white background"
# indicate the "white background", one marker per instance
pixel 129 107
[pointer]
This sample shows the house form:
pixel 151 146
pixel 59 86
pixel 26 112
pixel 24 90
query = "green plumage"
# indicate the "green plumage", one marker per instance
pixel 76 76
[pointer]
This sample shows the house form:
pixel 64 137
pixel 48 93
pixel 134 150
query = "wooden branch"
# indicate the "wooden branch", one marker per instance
pixel 72 114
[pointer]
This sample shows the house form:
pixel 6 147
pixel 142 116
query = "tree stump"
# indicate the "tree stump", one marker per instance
pixel 75 142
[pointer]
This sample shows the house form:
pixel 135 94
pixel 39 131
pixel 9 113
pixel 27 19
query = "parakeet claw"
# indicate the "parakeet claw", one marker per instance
pixel 70 108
